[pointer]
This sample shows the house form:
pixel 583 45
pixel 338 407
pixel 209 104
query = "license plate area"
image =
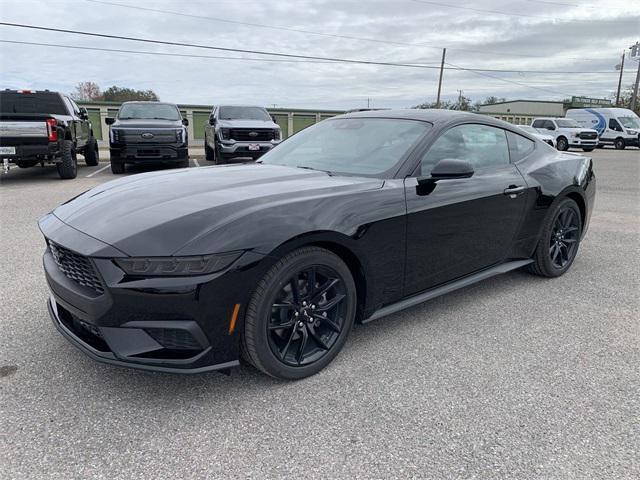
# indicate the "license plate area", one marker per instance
pixel 253 147
pixel 7 150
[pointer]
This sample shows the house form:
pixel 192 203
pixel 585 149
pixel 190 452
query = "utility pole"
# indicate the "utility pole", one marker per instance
pixel 444 53
pixel 460 99
pixel 368 102
pixel 635 55
pixel 620 80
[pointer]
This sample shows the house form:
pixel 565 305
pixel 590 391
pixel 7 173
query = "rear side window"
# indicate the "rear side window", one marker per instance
pixel 13 102
pixel 519 146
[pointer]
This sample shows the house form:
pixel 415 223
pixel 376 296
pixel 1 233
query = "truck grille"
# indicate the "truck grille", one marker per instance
pixel 76 267
pixel 588 135
pixel 252 134
pixel 149 136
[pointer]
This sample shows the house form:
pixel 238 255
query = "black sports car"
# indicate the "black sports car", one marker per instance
pixel 352 219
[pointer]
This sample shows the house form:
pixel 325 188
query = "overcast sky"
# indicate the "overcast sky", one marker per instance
pixel 563 35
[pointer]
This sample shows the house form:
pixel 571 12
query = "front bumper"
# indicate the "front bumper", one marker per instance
pixel 577 142
pixel 180 324
pixel 149 152
pixel 245 149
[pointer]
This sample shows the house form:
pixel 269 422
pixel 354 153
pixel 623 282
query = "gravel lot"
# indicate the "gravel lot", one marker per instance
pixel 515 377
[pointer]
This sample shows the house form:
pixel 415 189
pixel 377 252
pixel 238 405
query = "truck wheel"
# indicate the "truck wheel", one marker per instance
pixel 117 167
pixel 68 166
pixel 208 152
pixel 183 163
pixel 588 149
pixel 562 144
pixel 619 144
pixel 91 156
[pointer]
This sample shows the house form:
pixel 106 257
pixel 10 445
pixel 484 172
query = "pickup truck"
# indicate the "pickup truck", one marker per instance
pixel 239 131
pixel 43 127
pixel 149 133
pixel 567 133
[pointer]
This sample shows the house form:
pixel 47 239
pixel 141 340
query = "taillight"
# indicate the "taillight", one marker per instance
pixel 52 129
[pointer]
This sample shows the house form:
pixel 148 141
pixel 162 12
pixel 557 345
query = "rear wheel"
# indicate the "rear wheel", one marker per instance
pixel 300 314
pixel 619 144
pixel 91 156
pixel 68 165
pixel 562 144
pixel 560 240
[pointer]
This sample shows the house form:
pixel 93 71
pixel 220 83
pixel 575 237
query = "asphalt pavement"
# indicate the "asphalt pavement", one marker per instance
pixel 515 377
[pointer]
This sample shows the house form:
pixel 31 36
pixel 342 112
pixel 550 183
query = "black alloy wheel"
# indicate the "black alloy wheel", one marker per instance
pixel 564 238
pixel 307 316
pixel 560 240
pixel 300 314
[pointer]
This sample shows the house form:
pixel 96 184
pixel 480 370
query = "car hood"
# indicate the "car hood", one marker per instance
pixel 247 124
pixel 147 123
pixel 157 213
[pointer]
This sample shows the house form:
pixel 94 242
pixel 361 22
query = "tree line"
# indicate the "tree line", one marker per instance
pixel 90 91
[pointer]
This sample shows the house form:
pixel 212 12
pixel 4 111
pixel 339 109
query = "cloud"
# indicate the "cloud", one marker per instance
pixel 589 37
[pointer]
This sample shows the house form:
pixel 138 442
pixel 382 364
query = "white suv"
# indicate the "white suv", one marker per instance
pixel 567 133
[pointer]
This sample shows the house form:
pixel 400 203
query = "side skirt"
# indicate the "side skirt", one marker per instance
pixel 449 287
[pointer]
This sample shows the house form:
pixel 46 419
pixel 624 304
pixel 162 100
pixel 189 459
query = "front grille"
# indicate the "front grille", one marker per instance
pixel 588 135
pixel 142 136
pixel 174 338
pixel 252 134
pixel 76 267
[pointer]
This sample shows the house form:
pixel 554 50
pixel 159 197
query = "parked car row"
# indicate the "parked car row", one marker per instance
pixel 48 128
pixel 588 128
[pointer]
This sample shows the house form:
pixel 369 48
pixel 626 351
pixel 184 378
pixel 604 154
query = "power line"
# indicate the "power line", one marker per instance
pixel 482 10
pixel 303 58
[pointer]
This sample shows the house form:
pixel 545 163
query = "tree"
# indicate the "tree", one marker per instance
pixel 461 103
pixel 124 94
pixel 490 100
pixel 625 98
pixel 86 91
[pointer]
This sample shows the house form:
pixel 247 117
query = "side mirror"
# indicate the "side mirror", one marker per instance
pixel 273 119
pixel 452 168
pixel 83 113
pixel 212 120
pixel 109 120
pixel 185 122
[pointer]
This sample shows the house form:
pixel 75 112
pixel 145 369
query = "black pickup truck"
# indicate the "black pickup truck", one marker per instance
pixel 149 133
pixel 43 127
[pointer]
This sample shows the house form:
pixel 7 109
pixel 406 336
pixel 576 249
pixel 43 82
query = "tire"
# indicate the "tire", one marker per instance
pixel 91 156
pixel 600 145
pixel 68 166
pixel 309 327
pixel 208 152
pixel 590 149
pixel 562 144
pixel 619 144
pixel 184 163
pixel 548 251
pixel 117 167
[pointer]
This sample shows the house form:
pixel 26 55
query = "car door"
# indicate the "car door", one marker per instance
pixel 82 123
pixel 461 225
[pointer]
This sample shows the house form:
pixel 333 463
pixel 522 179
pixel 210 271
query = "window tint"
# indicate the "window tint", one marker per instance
pixel 480 145
pixel 538 124
pixel 614 125
pixel 549 125
pixel 519 146
pixel 41 102
pixel 75 106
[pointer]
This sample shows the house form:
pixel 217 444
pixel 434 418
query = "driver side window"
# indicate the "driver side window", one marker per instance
pixel 480 145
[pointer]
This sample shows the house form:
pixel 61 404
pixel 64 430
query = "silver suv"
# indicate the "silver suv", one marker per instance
pixel 239 131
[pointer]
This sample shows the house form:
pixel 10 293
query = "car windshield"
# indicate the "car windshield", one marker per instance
pixel 243 113
pixel 630 122
pixel 352 146
pixel 567 123
pixel 155 111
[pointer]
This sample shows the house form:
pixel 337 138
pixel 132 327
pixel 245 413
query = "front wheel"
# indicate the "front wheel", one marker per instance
pixel 91 156
pixel 300 314
pixel 619 144
pixel 117 167
pixel 590 149
pixel 562 144
pixel 559 242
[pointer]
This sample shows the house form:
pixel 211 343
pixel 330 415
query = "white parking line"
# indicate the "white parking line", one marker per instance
pixel 196 162
pixel 98 171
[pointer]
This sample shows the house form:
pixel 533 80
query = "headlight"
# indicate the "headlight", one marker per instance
pixel 177 266
pixel 276 134
pixel 225 133
pixel 632 132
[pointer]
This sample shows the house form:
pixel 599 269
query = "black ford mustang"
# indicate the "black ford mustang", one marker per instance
pixel 352 219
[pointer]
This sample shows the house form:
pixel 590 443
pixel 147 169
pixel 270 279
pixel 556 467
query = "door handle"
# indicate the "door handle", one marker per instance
pixel 514 190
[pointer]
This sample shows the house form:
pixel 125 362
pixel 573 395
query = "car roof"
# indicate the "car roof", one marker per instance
pixel 431 115
pixel 150 101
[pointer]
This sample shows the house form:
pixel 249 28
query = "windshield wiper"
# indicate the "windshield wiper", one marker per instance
pixel 316 169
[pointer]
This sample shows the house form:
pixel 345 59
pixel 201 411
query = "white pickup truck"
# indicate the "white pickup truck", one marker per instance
pixel 567 132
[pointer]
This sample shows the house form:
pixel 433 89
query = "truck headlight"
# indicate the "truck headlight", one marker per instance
pixel 632 132
pixel 225 133
pixel 176 266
